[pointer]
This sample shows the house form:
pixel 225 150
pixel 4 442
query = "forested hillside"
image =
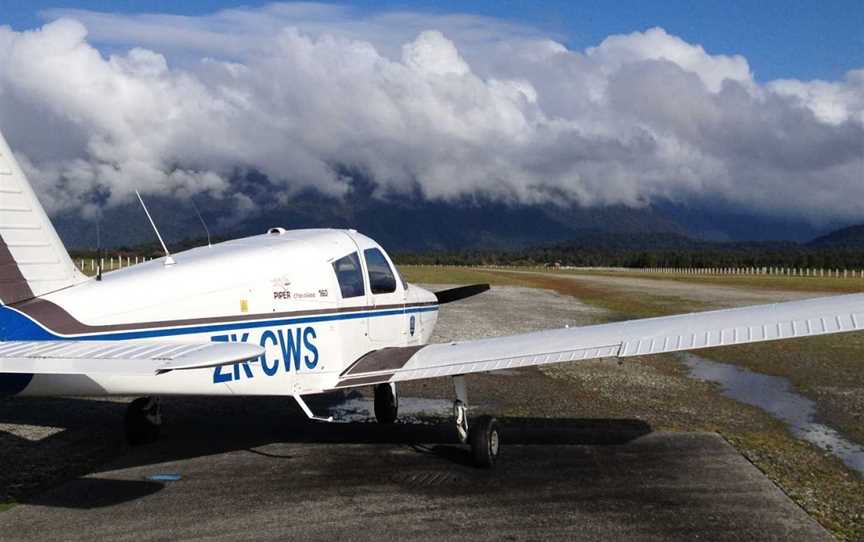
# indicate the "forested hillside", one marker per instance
pixel 655 250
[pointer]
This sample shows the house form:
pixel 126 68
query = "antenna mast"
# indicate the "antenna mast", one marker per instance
pixel 98 250
pixel 201 218
pixel 168 259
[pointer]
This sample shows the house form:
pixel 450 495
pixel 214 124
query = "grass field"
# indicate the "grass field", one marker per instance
pixel 586 292
pixel 829 370
pixel 763 282
pixel 766 282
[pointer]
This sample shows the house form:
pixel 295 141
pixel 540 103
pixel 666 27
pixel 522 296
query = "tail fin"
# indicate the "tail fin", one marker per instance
pixel 33 260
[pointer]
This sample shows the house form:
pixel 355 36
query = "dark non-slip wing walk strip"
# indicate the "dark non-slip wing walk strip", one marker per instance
pixel 58 320
pixel 386 360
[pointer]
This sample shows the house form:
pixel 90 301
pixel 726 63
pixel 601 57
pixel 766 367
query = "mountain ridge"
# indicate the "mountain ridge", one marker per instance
pixel 848 237
pixel 412 223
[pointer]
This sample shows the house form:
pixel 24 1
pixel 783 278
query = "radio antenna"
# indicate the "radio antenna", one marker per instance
pixel 201 218
pixel 168 259
pixel 98 250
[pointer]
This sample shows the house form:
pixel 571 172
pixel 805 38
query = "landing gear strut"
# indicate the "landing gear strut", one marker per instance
pixel 143 420
pixel 482 436
pixel 386 403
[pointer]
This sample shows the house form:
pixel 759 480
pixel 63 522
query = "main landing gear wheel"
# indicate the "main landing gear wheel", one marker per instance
pixel 143 421
pixel 386 403
pixel 481 434
pixel 485 441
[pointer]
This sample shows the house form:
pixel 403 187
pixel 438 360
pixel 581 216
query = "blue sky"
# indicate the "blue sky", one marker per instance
pixel 780 39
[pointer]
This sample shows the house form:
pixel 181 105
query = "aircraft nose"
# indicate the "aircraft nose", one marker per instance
pixel 421 295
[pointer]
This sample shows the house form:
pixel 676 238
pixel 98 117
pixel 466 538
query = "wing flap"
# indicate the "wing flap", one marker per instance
pixel 618 339
pixel 126 358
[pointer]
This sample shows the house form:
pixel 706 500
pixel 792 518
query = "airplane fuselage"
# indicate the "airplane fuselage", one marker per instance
pixel 285 290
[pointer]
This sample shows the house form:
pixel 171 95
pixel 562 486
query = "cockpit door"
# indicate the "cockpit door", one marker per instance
pixel 388 323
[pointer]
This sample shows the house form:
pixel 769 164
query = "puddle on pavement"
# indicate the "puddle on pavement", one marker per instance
pixel 776 396
pixel 411 409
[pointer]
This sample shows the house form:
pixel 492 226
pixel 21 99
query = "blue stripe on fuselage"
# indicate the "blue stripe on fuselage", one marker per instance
pixel 17 326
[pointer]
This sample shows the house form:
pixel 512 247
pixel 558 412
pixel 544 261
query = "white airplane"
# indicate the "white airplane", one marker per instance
pixel 291 313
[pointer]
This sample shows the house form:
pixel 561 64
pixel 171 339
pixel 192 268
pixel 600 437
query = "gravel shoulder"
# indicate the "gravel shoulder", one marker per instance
pixel 718 296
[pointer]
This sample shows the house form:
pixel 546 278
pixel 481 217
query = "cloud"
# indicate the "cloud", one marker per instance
pixel 98 104
pixel 655 44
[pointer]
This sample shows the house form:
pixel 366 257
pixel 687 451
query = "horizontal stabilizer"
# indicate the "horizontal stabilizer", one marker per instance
pixel 455 294
pixel 120 358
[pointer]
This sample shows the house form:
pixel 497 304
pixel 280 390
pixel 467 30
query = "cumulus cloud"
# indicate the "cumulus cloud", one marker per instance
pixel 97 105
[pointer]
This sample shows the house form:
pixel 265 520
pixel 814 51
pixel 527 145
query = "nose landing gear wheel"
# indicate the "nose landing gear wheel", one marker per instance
pixel 386 403
pixel 143 421
pixel 485 441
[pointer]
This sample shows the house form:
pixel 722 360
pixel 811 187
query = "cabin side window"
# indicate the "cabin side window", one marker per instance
pixel 381 278
pixel 350 275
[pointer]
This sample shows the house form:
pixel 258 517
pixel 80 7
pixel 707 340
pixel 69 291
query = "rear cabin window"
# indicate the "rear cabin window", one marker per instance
pixel 381 279
pixel 349 275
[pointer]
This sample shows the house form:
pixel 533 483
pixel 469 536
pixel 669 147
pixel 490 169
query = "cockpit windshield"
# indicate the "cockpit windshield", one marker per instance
pixel 381 279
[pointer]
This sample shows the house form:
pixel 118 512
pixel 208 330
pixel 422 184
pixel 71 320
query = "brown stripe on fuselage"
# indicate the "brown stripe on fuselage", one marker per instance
pixel 57 319
pixel 13 285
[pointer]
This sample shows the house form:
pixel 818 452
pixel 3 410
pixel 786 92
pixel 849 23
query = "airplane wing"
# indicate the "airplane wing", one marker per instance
pixel 121 358
pixel 618 339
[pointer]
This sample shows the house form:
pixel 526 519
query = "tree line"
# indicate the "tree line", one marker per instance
pixel 600 250
pixel 794 256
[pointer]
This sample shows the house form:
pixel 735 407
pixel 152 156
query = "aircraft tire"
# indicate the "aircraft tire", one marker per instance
pixel 143 421
pixel 485 441
pixel 386 403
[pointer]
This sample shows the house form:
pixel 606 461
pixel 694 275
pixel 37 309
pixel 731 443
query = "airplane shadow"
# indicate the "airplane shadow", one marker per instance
pixel 91 440
pixel 88 493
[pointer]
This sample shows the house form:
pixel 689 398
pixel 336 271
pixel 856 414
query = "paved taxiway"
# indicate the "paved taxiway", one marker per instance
pixel 366 482
pixel 255 469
